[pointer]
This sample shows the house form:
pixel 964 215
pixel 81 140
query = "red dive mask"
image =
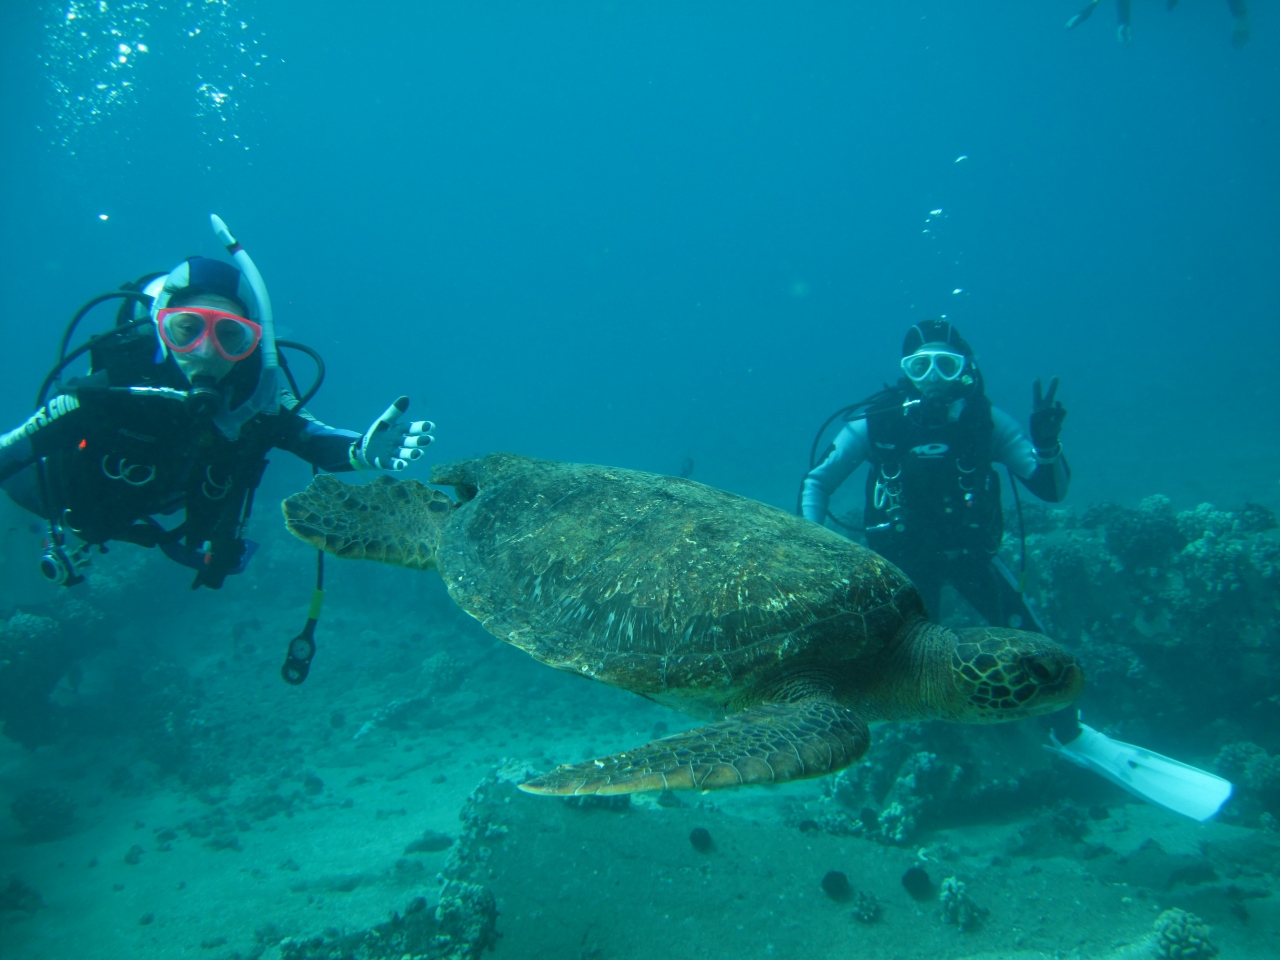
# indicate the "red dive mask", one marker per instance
pixel 184 329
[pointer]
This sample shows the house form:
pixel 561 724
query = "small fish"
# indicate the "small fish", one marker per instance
pixel 686 468
pixel 963 156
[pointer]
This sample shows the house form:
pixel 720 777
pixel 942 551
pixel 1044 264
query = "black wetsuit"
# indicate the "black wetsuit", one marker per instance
pixel 933 498
pixel 113 461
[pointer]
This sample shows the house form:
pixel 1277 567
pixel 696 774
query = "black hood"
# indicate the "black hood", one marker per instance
pixel 970 386
pixel 935 331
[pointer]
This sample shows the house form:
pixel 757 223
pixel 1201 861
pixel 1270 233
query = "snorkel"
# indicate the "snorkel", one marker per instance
pixel 250 270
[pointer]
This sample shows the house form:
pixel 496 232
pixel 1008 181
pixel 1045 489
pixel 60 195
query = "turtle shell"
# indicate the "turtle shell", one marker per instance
pixel 658 584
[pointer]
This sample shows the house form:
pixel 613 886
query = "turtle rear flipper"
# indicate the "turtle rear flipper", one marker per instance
pixel 770 743
pixel 396 522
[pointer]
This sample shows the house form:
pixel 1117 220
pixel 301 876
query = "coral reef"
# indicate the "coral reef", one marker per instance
pixel 957 905
pixel 1182 936
pixel 892 791
pixel 1256 775
pixel 903 787
pixel 462 925
pixel 1251 767
pixel 866 907
pixel 1175 617
pixel 44 813
pixel 922 779
pixel 465 916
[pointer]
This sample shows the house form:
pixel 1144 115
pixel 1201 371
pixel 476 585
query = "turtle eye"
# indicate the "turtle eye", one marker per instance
pixel 1038 670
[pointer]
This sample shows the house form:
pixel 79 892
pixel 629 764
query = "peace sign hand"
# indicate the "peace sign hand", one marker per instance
pixel 1047 415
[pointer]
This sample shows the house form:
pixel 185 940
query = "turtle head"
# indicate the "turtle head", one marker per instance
pixel 1000 674
pixel 395 522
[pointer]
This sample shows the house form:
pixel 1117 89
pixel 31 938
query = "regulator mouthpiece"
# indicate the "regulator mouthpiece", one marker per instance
pixel 203 399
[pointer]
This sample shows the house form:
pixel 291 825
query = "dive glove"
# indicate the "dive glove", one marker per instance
pixel 389 445
pixel 217 561
pixel 1047 415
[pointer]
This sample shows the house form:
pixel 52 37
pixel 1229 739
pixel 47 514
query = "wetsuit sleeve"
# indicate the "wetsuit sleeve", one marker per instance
pixel 321 445
pixel 851 447
pixel 1046 477
pixel 42 432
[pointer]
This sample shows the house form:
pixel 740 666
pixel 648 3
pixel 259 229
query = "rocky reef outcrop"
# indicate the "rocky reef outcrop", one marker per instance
pixel 461 925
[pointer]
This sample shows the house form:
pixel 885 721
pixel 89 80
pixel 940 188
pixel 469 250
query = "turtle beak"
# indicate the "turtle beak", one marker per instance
pixel 1058 680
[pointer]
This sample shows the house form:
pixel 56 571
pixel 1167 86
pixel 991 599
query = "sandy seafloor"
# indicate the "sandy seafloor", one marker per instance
pixel 310 836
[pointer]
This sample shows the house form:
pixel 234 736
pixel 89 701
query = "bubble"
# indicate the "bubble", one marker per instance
pixel 95 60
pixel 87 59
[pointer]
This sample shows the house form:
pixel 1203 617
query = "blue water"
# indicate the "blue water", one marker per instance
pixel 640 234
pixel 591 232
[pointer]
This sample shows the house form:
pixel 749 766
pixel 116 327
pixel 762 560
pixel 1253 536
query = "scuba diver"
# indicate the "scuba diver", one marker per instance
pixel 933 508
pixel 184 399
pixel 1124 30
pixel 933 496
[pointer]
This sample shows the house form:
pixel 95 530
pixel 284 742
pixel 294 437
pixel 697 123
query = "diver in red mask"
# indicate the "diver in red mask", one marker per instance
pixel 184 399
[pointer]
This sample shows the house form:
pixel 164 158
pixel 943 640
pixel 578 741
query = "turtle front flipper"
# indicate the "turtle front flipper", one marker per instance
pixel 769 743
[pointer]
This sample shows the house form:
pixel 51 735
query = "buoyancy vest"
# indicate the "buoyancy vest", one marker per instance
pixel 133 457
pixel 932 489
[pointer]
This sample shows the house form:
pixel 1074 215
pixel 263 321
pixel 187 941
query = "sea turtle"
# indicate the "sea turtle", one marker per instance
pixel 790 638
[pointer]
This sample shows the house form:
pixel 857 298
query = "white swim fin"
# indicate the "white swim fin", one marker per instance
pixel 1149 776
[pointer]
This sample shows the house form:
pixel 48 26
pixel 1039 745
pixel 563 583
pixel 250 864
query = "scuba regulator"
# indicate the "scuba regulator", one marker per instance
pixel 203 399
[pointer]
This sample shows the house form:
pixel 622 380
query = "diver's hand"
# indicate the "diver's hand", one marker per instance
pixel 390 445
pixel 1047 415
pixel 222 560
